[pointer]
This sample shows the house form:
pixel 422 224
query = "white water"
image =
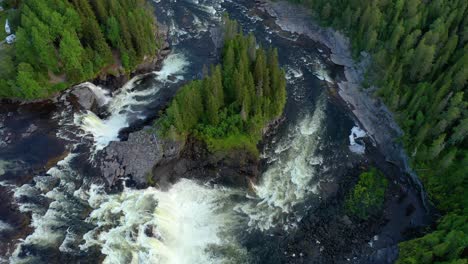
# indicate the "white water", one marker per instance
pixel 102 95
pixel 321 72
pixel 5 226
pixel 211 11
pixel 180 226
pixel 287 181
pixel 190 223
pixel 354 146
pixel 48 223
pixel 121 104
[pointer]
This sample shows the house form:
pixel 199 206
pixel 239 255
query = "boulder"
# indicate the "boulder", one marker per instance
pixel 86 98
pixel 137 156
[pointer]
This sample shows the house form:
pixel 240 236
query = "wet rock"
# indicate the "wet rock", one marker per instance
pixel 347 221
pixel 384 255
pixel 235 168
pixel 137 156
pixel 86 98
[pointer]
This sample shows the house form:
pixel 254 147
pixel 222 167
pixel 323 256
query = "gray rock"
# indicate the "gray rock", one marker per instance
pixel 347 221
pixel 86 98
pixel 137 156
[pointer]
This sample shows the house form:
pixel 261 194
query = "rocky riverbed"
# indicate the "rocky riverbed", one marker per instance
pixel 370 112
pixel 285 208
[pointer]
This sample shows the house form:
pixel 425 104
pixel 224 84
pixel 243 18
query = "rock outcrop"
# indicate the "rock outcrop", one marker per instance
pixel 137 156
pixel 85 97
pixel 150 160
pixel 236 168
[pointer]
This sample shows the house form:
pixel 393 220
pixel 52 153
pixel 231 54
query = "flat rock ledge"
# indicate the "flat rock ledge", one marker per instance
pixel 136 157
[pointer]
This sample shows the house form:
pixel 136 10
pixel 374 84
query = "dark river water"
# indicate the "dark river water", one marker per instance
pixel 55 208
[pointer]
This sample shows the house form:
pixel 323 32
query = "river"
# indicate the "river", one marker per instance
pixel 57 209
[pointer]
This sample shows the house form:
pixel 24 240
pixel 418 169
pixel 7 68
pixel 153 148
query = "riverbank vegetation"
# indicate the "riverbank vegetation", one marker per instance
pixel 368 195
pixel 63 42
pixel 420 64
pixel 235 101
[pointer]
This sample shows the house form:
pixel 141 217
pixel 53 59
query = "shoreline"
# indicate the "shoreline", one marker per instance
pixel 111 82
pixel 368 111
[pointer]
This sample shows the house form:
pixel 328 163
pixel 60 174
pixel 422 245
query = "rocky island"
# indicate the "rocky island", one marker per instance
pixel 233 132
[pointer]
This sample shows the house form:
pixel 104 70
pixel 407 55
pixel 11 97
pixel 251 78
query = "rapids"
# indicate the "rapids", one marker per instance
pixel 128 102
pixel 187 224
pixel 74 219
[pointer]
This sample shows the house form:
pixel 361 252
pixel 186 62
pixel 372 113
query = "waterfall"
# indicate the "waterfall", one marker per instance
pixel 122 106
pixel 180 226
pixel 190 222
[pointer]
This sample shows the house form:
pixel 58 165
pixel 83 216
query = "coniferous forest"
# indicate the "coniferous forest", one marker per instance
pixel 93 173
pixel 62 42
pixel 232 104
pixel 420 65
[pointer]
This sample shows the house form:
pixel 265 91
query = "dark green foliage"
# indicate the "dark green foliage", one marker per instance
pixel 368 196
pixel 446 245
pixel 69 41
pixel 420 63
pixel 231 105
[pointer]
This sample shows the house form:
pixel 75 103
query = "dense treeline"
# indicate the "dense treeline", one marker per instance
pixel 61 42
pixel 235 101
pixel 420 57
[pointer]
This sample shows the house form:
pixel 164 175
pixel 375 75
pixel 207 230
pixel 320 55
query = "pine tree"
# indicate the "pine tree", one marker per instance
pixel 422 61
pixel 460 132
pixel 228 72
pixel 437 147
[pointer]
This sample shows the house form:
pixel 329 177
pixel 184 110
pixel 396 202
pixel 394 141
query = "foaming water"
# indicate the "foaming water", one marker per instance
pixel 321 72
pixel 202 15
pixel 288 180
pixel 5 226
pixel 49 223
pixel 102 95
pixel 181 226
pixel 192 223
pixel 354 146
pixel 189 223
pixel 122 106
pixel 173 65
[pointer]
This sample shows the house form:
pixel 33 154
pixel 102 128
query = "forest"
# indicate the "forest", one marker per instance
pixel 235 101
pixel 420 69
pixel 61 42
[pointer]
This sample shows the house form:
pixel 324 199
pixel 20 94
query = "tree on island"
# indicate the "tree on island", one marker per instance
pixel 230 106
